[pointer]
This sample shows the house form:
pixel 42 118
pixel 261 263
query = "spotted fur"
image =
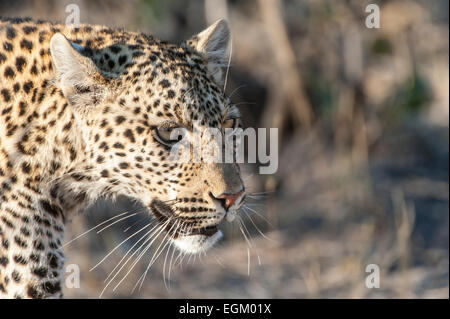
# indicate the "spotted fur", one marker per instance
pixel 79 107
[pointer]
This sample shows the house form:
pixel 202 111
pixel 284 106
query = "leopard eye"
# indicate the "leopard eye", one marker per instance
pixel 167 135
pixel 231 123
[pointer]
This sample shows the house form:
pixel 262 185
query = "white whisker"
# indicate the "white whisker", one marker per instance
pixel 156 255
pixel 235 90
pixel 95 227
pixel 157 231
pixel 120 244
pixel 256 227
pixel 115 222
pixel 228 66
pixel 254 211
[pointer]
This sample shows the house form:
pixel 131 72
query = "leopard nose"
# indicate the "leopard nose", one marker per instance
pixel 228 200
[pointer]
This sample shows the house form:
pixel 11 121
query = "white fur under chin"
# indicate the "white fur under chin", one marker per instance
pixel 194 244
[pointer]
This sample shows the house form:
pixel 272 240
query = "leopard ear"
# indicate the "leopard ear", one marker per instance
pixel 212 43
pixel 79 79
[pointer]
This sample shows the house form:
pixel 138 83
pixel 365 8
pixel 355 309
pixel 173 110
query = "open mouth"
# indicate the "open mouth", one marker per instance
pixel 165 214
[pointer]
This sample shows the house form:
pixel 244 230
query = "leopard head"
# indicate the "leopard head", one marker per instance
pixel 127 100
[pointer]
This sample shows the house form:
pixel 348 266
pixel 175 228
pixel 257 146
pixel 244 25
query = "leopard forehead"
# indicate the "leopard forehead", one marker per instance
pixel 162 81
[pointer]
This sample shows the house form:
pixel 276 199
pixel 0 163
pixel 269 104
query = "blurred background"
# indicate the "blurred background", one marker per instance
pixel 363 178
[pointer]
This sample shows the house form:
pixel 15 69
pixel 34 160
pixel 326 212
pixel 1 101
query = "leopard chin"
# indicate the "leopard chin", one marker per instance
pixel 194 244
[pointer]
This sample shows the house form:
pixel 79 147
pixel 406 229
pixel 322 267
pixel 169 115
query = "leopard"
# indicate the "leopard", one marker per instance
pixel 88 112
